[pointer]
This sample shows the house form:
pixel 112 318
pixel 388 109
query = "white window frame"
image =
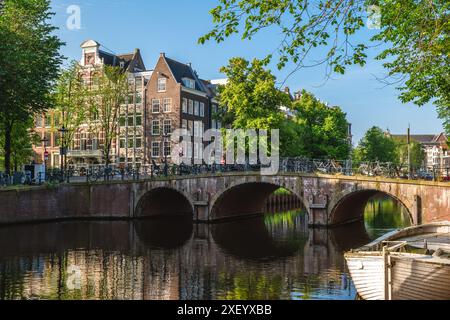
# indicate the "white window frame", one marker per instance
pixel 156 144
pixel 196 108
pixel 153 105
pixel 202 109
pixel 159 127
pixel 190 106
pixel 168 123
pixel 167 102
pixel 162 84
pixel 184 105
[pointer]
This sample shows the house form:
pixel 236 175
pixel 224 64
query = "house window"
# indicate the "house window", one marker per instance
pixel 184 124
pixel 138 97
pixel 167 127
pixel 138 143
pixel 138 83
pixel 130 121
pixel 191 127
pixel 196 108
pixel 39 121
pixel 155 149
pixel 191 107
pixel 138 120
pixel 184 105
pixel 189 83
pixel 166 148
pixel 48 120
pixel 122 121
pixel 56 139
pixel 155 105
pixel 167 106
pixel 155 127
pixel 162 84
pixel 123 143
pixel 202 109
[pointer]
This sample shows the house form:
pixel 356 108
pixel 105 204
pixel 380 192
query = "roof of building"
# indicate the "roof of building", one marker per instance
pixel 181 70
pixel 422 138
pixel 127 61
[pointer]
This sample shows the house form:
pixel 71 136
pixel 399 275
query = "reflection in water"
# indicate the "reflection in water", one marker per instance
pixel 270 257
pixel 384 214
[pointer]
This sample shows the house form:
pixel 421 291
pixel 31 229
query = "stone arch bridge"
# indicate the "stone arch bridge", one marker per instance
pixel 328 199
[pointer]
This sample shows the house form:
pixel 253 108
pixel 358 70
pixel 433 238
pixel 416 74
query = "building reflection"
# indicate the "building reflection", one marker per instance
pixel 271 257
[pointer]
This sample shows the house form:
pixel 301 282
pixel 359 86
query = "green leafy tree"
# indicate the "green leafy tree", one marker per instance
pixel 22 139
pixel 71 97
pixel 108 94
pixel 250 97
pixel 376 146
pixel 320 131
pixel 417 154
pixel 414 32
pixel 29 64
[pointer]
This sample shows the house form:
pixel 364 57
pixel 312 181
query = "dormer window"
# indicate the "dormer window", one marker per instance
pixel 162 82
pixel 89 58
pixel 189 83
pixel 122 64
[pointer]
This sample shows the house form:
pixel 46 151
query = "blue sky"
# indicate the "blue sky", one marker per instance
pixel 174 26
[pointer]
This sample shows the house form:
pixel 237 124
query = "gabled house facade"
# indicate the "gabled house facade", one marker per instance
pixel 176 98
pixel 85 148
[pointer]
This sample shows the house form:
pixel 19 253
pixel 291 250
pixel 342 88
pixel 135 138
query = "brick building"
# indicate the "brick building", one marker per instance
pixel 437 152
pixel 176 98
pixel 161 100
pixel 85 147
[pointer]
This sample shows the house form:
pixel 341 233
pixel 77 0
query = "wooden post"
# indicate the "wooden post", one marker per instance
pixel 387 274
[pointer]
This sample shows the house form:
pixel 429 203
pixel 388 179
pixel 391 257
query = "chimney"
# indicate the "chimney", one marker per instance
pixel 162 54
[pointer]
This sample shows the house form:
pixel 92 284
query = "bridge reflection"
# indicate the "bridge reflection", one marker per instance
pixel 274 257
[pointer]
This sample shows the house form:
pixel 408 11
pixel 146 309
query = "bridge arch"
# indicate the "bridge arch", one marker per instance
pixel 163 201
pixel 350 206
pixel 245 199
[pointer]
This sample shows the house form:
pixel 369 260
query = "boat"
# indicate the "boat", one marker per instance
pixel 407 264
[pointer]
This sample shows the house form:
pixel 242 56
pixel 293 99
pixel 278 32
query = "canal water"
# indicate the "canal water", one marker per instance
pixel 271 257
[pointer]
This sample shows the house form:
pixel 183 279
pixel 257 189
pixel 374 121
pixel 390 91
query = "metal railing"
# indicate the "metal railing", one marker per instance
pixel 94 173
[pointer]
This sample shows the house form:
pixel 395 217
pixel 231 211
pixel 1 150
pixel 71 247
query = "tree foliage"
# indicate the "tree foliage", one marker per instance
pixel 376 146
pixel 70 97
pixel 22 139
pixel 252 101
pixel 417 154
pixel 109 92
pixel 29 64
pixel 415 32
pixel 321 131
pixel 250 97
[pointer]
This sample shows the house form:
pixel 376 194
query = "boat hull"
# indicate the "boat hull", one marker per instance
pixel 412 277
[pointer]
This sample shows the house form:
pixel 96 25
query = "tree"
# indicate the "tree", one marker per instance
pixel 376 146
pixel 70 97
pixel 417 154
pixel 108 94
pixel 322 131
pixel 250 97
pixel 29 64
pixel 415 32
pixel 22 139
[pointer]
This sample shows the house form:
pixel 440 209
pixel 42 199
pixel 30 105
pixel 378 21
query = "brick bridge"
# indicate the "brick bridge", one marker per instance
pixel 328 199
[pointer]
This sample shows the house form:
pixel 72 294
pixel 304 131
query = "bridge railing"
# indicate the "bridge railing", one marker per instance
pixel 94 173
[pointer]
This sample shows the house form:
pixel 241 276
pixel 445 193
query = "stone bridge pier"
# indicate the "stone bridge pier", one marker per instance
pixel 328 200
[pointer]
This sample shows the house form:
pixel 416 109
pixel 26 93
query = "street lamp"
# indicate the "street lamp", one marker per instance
pixel 63 149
